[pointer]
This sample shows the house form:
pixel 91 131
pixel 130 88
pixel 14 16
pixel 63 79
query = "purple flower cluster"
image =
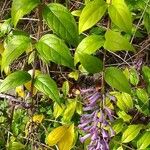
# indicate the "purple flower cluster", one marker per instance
pixel 95 121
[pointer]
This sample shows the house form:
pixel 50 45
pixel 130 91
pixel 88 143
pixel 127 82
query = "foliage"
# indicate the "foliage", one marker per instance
pixel 75 75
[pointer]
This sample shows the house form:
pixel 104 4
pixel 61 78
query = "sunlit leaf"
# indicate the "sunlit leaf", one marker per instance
pixel 142 95
pixel 55 135
pixel 46 85
pixel 69 111
pixel 88 45
pixel 15 45
pixel 131 132
pixel 60 20
pixel 116 42
pixel 38 118
pixel 52 48
pixel 20 91
pixel 15 79
pixel 91 14
pixel 66 141
pixel 120 15
pixel 22 7
pixel 58 110
pixel 116 79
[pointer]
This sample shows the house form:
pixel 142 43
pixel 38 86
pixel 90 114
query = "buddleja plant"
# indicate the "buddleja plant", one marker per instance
pixel 100 118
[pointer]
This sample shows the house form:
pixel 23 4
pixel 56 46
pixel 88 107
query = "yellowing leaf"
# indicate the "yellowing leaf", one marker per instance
pixel 38 118
pixel 66 141
pixel 20 91
pixel 55 135
pixel 28 87
pixel 28 84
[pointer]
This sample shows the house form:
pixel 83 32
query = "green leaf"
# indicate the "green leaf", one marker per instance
pixel 131 132
pixel 6 27
pixel 142 95
pixel 120 15
pixel 144 141
pixel 116 79
pixel 116 42
pixel 69 111
pixel 16 146
pixel 118 126
pixel 146 19
pixel 22 7
pixel 146 73
pixel 134 77
pixel 123 115
pixel 15 79
pixel 88 45
pixel 90 63
pixel 91 14
pixel 14 46
pixel 60 20
pixel 46 85
pixel 50 47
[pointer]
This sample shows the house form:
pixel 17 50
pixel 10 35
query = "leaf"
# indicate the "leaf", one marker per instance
pixel 15 79
pixel 6 27
pixel 134 77
pixel 46 85
pixel 142 95
pixel 120 15
pixel 69 111
pixel 16 146
pixel 66 141
pixel 131 132
pixel 123 115
pixel 22 7
pixel 91 14
pixel 124 101
pixel 146 19
pixel 76 12
pixel 118 126
pixel 58 110
pixel 146 73
pixel 38 118
pixel 144 141
pixel 60 20
pixel 65 88
pixel 116 42
pixel 88 45
pixel 90 63
pixel 20 91
pixel 50 47
pixel 74 75
pixel 14 46
pixel 116 79
pixel 55 135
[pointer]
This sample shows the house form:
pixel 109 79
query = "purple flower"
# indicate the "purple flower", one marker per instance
pixel 94 119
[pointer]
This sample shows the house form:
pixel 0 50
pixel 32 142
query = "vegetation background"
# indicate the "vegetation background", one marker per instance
pixel 75 74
